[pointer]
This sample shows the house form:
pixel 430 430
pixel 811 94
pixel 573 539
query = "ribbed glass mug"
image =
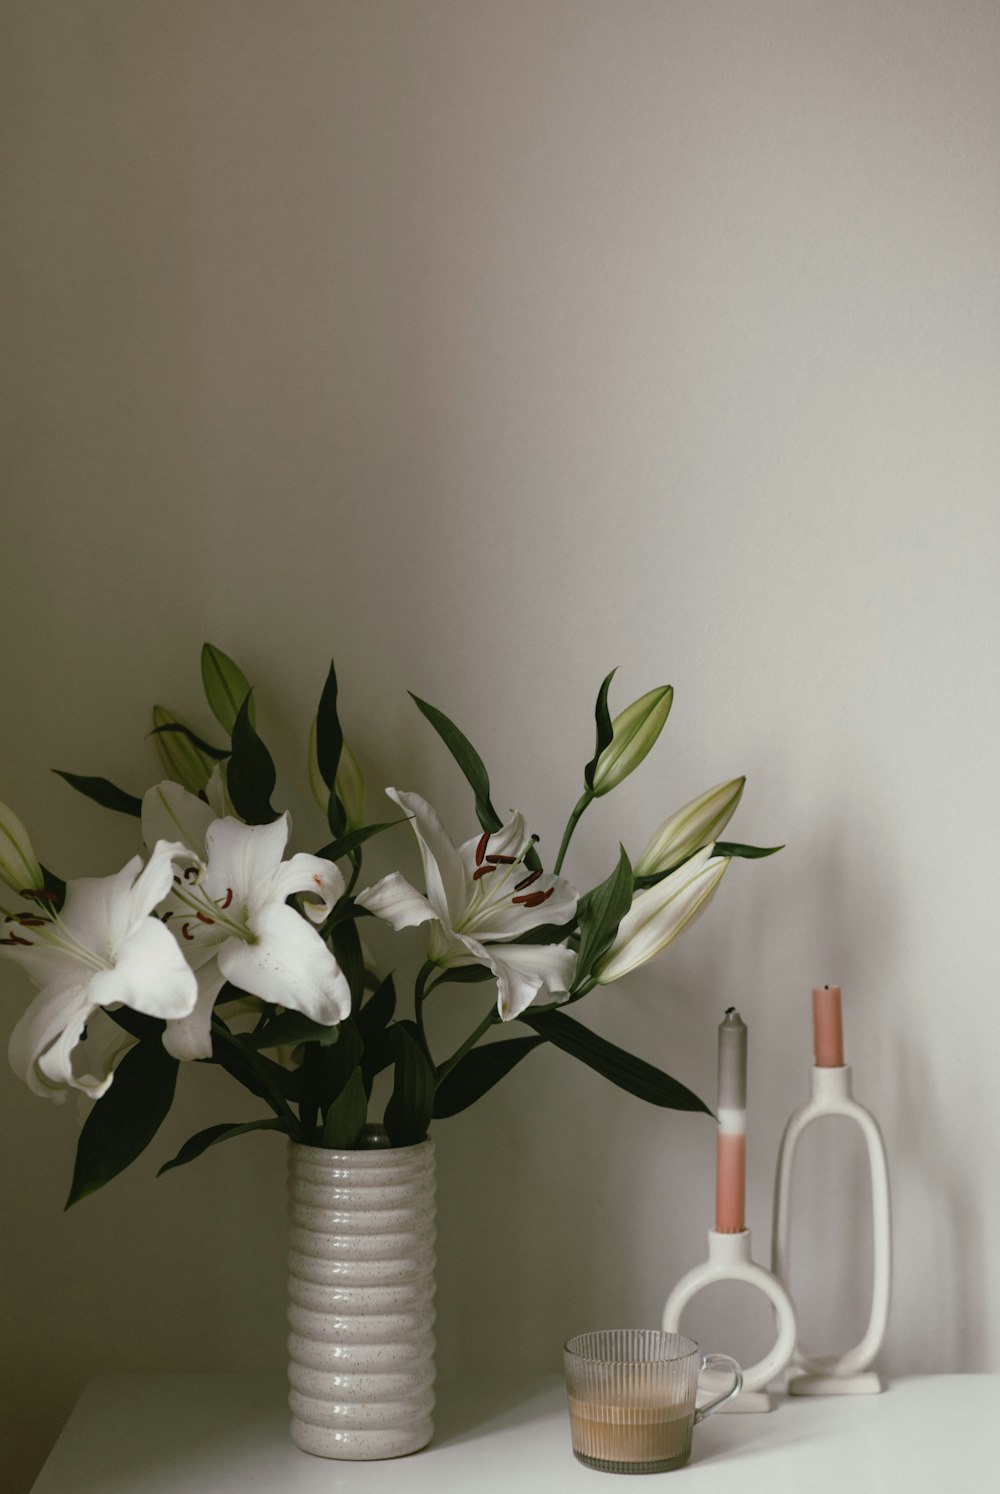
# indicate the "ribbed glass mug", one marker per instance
pixel 632 1397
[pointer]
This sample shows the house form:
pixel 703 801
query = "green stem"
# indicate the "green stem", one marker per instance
pixel 571 825
pixel 470 1042
pixel 419 996
pixel 277 1101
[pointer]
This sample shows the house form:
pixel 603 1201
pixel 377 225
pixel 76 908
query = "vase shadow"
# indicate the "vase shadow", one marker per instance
pixel 466 1411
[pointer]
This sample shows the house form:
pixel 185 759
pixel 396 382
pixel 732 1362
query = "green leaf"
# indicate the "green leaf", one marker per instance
pixel 751 853
pixel 602 717
pixel 624 1069
pixel 250 777
pixel 468 760
pixel 137 1024
pixel 347 952
pixel 345 844
pixel 464 975
pixel 125 1119
pixel 226 686
pixel 378 1010
pixel 602 911
pixel 291 1027
pixel 547 933
pixel 104 793
pixel 478 1072
pixel 204 1139
pixel 345 1119
pixel 329 734
pixel 234 1054
pixel 409 1111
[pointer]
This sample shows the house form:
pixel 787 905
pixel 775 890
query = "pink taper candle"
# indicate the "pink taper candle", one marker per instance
pixel 731 1145
pixel 828 1030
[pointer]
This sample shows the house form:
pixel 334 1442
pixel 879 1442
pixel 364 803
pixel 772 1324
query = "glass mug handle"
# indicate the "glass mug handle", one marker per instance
pixel 709 1361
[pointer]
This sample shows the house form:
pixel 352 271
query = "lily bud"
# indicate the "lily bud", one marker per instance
pixel 183 761
pixel 634 732
pixel 659 914
pixel 350 786
pixel 690 828
pixel 19 866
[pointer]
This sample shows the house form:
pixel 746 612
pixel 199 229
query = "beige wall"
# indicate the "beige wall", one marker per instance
pixel 488 344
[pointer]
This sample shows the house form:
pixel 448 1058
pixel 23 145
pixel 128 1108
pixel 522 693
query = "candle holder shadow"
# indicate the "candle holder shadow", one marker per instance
pixel 847 1373
pixel 729 1259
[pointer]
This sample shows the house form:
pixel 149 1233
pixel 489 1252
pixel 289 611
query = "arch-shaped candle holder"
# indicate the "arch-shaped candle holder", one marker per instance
pixel 848 1373
pixel 729 1259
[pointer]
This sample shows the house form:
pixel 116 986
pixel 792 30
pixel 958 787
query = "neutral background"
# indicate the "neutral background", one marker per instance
pixel 486 344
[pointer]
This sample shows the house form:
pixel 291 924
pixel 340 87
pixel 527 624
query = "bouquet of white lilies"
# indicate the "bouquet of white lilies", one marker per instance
pixel 219 948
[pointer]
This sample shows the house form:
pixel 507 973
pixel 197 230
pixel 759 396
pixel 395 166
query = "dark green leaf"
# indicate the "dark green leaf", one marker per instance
pixel 624 1069
pixel 137 1024
pixel 408 1113
pixel 104 793
pixel 602 717
pixel 236 1056
pixel 250 777
pixel 204 1139
pixel 378 1010
pixel 546 933
pixel 347 952
pixel 468 760
pixel 345 844
pixel 751 853
pixel 478 1072
pixel 125 1119
pixel 346 1116
pixel 217 754
pixel 226 686
pixel 603 910
pixel 464 975
pixel 291 1027
pixel 329 735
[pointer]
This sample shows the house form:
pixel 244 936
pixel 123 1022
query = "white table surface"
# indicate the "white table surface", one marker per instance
pixel 226 1433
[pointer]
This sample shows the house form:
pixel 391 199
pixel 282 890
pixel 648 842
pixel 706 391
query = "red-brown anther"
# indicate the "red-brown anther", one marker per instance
pixel 166 917
pixel 177 880
pixel 185 934
pixel 13 939
pixel 29 921
pixel 484 841
pixel 190 874
pixel 227 900
pixel 204 918
pixel 527 881
pixel 502 860
pixel 482 871
pixel 534 899
pixel 40 894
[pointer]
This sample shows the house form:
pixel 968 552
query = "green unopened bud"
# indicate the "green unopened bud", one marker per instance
pixel 690 828
pixel 19 866
pixel 349 783
pixel 659 914
pixel 184 763
pixel 350 786
pixel 634 733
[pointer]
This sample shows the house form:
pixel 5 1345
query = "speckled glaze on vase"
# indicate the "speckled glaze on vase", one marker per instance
pixel 361 1289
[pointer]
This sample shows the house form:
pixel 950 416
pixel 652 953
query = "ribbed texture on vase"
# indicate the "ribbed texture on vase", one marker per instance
pixel 361 1290
pixel 631 1409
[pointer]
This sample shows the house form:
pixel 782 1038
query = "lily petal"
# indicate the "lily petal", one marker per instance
pixel 190 1037
pixel 525 972
pixel 243 859
pixel 444 874
pixel 320 881
pixel 150 975
pixel 58 1014
pixel 397 902
pixel 289 965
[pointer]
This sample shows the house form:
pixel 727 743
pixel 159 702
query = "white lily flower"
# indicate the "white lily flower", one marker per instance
pixel 479 897
pixel 101 949
pixel 660 913
pixel 229 914
pixel 690 828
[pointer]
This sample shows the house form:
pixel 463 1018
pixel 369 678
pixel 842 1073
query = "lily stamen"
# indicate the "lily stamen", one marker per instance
pixel 482 871
pixel 484 841
pixel 527 881
pixel 503 860
pixel 534 899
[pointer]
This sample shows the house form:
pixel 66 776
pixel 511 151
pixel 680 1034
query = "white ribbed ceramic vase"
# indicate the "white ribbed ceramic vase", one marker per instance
pixel 361 1289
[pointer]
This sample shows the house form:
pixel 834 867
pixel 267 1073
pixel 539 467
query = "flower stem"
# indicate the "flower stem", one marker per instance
pixel 470 1042
pixel 419 996
pixel 571 825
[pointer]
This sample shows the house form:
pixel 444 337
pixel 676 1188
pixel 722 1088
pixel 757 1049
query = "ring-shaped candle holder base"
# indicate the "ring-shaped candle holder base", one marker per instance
pixel 867 1383
pixel 729 1259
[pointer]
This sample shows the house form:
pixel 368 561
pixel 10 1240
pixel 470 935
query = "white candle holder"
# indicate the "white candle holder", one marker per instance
pixel 847 1373
pixel 729 1259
